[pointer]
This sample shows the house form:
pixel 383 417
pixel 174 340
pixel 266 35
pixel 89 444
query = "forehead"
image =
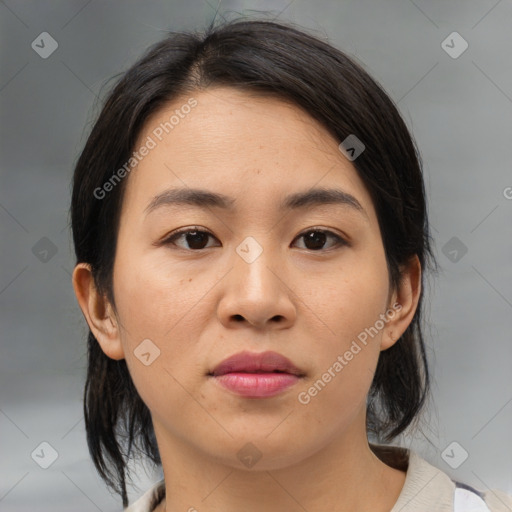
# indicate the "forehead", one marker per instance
pixel 235 121
pixel 236 141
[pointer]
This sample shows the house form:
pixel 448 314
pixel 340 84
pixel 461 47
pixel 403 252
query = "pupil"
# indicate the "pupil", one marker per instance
pixel 197 238
pixel 316 239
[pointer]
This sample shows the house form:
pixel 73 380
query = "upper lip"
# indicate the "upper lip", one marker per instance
pixel 252 362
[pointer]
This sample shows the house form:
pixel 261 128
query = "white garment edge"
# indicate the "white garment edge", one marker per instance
pixel 468 501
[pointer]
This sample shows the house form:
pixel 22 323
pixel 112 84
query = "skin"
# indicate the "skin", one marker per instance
pixel 199 306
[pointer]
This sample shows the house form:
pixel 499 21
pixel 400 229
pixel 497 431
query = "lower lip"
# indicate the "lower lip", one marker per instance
pixel 257 385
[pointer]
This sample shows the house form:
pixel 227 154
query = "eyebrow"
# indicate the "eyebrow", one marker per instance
pixel 204 198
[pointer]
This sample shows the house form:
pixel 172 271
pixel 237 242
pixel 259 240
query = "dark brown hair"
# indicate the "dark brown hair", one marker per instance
pixel 272 59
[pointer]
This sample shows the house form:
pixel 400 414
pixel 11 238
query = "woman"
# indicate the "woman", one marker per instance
pixel 251 236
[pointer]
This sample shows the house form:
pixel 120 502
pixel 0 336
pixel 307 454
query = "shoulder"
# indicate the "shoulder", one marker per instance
pixel 468 498
pixel 149 500
pixel 497 500
pixel 428 488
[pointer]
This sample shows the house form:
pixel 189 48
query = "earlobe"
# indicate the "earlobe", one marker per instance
pixel 97 312
pixel 407 297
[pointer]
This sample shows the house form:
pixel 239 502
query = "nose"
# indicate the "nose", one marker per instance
pixel 256 294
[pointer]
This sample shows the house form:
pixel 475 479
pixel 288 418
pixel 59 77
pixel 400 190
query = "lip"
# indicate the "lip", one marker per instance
pixel 256 375
pixel 256 362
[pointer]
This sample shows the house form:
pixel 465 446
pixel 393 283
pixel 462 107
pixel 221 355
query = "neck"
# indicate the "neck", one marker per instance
pixel 343 476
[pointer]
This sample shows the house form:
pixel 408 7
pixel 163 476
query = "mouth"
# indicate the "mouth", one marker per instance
pixel 256 375
pixel 256 362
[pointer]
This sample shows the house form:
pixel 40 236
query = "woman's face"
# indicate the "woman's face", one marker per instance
pixel 306 281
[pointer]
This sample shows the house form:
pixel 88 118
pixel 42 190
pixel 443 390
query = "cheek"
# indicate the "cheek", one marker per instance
pixel 154 301
pixel 349 305
pixel 350 300
pixel 168 309
pixel 345 366
pixel 156 308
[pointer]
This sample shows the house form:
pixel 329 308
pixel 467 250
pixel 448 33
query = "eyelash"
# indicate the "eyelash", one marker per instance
pixel 340 241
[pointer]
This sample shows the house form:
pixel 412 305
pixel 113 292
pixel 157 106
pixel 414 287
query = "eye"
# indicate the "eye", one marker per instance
pixel 196 238
pixel 314 239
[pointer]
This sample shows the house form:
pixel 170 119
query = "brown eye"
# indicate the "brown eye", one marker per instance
pixel 315 239
pixel 195 238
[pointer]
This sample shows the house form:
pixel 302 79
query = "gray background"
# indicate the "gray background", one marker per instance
pixel 460 112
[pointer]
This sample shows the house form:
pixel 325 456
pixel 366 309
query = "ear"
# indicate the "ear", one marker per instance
pixel 97 311
pixel 403 303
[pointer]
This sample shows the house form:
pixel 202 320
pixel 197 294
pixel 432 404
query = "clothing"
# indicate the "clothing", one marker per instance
pixel 426 488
